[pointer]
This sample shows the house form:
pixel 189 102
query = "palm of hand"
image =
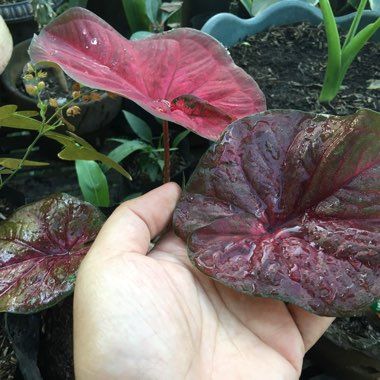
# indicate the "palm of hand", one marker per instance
pixel 170 322
pixel 154 316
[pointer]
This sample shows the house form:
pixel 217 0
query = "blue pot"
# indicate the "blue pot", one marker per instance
pixel 230 29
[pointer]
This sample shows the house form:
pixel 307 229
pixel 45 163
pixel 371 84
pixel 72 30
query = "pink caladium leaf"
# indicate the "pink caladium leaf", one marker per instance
pixel 286 205
pixel 184 76
pixel 41 247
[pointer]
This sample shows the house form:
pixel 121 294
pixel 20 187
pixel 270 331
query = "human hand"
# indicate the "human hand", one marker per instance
pixel 140 315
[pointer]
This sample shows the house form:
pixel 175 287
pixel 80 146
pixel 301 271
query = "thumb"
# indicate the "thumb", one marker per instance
pixel 135 223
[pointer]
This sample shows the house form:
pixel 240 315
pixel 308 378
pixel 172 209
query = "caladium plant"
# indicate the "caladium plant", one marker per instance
pixel 183 76
pixel 286 204
pixel 42 245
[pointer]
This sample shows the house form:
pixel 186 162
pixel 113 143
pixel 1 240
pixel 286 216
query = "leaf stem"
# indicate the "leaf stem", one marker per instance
pixel 26 154
pixel 165 130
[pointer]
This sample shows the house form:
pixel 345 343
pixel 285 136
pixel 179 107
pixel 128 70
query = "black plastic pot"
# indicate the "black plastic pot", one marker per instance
pixel 94 115
pixel 20 19
pixel 10 199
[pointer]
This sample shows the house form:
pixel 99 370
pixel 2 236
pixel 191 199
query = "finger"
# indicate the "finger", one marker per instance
pixel 135 223
pixel 311 326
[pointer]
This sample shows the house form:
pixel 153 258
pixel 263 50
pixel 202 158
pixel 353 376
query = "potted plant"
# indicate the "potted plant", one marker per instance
pixel 24 17
pixel 95 114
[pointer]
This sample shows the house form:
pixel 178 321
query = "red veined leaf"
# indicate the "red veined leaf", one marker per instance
pixel 41 247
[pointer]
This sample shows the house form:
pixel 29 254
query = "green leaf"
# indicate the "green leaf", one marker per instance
pixel 352 49
pixel 135 13
pixel 172 7
pixel 14 163
pixel 376 307
pixel 5 171
pixel 80 140
pixel 161 164
pixel 330 86
pixel 19 121
pixel 168 10
pixel 6 111
pixel 126 149
pixel 181 136
pixel 93 183
pixel 355 23
pixel 152 171
pixel 152 8
pixel 75 150
pixel 28 113
pixel 247 5
pixel 354 3
pixel 140 35
pixel 139 126
pixel 254 7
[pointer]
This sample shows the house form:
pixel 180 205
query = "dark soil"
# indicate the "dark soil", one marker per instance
pixel 8 359
pixel 288 63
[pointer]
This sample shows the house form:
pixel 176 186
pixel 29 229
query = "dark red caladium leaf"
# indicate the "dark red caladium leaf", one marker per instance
pixel 184 76
pixel 287 205
pixel 41 247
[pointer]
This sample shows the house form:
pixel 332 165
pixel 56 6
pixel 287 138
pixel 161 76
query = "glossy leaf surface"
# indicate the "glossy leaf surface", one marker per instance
pixel 287 205
pixel 41 247
pixel 184 76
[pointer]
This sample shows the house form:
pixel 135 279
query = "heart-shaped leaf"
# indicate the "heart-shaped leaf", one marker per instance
pixel 287 205
pixel 154 71
pixel 41 247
